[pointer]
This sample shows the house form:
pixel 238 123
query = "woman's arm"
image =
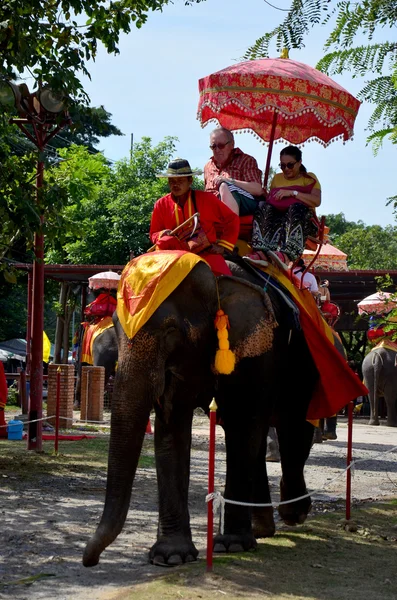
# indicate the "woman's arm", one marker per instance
pixel 312 200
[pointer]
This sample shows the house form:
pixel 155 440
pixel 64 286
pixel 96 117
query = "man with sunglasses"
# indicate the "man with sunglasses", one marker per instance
pixel 232 175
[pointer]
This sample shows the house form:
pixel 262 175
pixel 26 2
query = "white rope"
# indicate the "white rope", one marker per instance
pixel 54 417
pixel 33 421
pixel 219 501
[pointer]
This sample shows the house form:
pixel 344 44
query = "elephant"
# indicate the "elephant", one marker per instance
pixel 104 354
pixel 169 365
pixel 380 376
pixel 104 351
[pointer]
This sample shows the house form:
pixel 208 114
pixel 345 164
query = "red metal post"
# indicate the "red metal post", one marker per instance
pixel 211 484
pixel 39 125
pixel 36 376
pixel 349 459
pixel 29 324
pixel 270 150
pixel 58 401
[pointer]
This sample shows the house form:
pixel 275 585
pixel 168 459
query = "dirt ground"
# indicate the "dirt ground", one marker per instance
pixel 46 519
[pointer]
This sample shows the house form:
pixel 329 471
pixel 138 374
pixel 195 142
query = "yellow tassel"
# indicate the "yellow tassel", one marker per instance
pixel 225 359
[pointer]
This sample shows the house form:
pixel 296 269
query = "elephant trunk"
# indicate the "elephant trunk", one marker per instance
pixel 134 394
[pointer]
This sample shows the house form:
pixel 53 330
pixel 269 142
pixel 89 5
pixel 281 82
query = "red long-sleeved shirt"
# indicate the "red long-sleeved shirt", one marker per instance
pixel 214 217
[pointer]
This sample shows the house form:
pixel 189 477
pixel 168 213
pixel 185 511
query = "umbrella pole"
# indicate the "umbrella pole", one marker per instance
pixel 270 150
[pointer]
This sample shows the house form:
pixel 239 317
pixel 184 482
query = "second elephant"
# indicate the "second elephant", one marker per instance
pixel 380 376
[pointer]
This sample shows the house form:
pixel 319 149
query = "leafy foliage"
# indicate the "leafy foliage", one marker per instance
pixel 89 123
pixel 366 17
pixel 19 209
pixel 55 39
pixel 338 225
pixel 367 246
pixel 108 212
pixel 13 311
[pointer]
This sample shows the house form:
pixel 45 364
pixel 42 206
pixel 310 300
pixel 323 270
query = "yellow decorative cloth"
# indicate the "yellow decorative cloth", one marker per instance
pixel 147 281
pixel 90 334
pixel 337 384
pixel 304 300
pixel 46 348
pixel 387 344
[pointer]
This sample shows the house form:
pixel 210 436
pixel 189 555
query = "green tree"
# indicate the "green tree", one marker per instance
pixel 55 39
pixel 19 210
pixel 338 225
pixel 89 123
pixel 343 53
pixel 369 246
pixel 107 215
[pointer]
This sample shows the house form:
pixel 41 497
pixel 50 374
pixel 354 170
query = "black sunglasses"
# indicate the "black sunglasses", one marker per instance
pixel 219 146
pixel 289 165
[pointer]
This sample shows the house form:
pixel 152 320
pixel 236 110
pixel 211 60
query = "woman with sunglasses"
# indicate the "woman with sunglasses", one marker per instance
pixel 282 225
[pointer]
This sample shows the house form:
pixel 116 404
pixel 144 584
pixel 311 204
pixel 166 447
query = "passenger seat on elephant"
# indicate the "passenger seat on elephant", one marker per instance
pixel 312 243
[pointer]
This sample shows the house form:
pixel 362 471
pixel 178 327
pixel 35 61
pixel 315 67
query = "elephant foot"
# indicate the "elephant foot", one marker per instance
pixel 263 522
pixel 172 551
pixel 294 513
pixel 373 422
pixel 391 423
pixel 232 543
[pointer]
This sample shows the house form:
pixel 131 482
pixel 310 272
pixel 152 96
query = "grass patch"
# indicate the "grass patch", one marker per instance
pixel 85 456
pixel 318 560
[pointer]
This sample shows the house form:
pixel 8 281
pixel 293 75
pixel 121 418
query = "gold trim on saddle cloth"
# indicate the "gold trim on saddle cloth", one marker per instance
pixel 387 344
pixel 91 332
pixel 304 298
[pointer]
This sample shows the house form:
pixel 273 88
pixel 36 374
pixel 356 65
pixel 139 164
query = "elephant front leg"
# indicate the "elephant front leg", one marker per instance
pixel 174 544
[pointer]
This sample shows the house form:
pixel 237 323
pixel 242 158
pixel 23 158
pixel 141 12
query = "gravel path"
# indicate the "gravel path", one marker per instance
pixel 44 527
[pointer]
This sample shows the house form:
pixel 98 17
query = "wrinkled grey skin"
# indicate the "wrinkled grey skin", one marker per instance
pixel 380 377
pixel 169 366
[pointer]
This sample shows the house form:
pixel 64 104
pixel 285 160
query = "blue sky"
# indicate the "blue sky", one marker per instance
pixel 151 89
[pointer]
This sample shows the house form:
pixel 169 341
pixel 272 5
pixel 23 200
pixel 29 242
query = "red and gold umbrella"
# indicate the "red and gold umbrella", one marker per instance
pixel 278 99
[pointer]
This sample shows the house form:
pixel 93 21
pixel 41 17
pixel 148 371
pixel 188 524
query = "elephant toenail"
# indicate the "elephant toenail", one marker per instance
pixel 175 560
pixel 236 548
pixel 158 560
pixel 190 558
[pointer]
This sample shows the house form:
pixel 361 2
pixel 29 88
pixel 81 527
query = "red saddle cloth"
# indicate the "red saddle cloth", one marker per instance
pixel 103 306
pixel 246 228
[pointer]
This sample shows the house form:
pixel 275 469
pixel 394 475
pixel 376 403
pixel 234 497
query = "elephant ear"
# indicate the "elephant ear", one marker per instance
pixel 251 317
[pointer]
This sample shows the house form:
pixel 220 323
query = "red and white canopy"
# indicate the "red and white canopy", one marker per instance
pixel 378 303
pixel 108 280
